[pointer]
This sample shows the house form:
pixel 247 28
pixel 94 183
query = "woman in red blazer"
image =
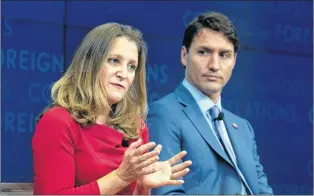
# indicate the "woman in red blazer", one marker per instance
pixel 93 139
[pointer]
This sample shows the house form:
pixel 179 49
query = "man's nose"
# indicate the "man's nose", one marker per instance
pixel 213 62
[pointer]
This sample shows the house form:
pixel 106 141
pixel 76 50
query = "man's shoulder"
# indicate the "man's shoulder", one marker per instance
pixel 165 105
pixel 167 100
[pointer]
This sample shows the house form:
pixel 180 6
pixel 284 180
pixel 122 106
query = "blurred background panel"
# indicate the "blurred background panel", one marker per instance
pixel 32 37
pixel 272 83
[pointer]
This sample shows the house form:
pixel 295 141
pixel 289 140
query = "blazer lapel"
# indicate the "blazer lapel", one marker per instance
pixel 243 154
pixel 195 115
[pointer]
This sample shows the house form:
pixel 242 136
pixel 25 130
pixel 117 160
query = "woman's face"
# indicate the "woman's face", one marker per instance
pixel 119 68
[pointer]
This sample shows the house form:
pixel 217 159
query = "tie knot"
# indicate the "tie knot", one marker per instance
pixel 214 112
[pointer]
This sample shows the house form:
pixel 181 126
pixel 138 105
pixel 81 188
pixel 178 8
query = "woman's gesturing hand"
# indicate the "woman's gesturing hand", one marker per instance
pixel 166 173
pixel 137 159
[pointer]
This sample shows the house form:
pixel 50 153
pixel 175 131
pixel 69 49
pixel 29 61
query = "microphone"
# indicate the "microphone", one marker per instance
pixel 220 116
pixel 125 143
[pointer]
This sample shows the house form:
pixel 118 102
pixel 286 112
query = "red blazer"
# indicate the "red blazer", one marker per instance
pixel 68 159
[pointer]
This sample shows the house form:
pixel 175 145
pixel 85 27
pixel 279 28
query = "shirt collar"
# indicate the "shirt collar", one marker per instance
pixel 203 101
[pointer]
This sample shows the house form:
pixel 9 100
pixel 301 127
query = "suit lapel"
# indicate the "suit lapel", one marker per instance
pixel 243 154
pixel 195 115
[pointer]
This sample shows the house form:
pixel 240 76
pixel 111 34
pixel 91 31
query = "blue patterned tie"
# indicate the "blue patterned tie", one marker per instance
pixel 222 135
pixel 214 113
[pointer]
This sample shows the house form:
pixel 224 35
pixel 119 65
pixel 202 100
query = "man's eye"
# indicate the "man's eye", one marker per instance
pixel 202 52
pixel 225 55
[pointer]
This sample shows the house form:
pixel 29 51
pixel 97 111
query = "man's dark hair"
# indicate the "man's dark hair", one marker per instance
pixel 214 21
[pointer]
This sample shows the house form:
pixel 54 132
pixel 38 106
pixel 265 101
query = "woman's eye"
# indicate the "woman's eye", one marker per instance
pixel 113 60
pixel 132 67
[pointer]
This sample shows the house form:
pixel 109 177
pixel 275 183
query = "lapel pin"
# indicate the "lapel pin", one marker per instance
pixel 235 125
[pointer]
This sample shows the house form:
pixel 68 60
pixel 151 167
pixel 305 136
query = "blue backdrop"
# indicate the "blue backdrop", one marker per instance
pixel 271 86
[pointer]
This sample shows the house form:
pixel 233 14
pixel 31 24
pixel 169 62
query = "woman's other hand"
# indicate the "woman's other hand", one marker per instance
pixel 165 173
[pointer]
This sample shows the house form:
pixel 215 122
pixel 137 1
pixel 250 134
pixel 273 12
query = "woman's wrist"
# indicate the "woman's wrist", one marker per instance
pixel 140 189
pixel 122 181
pixel 111 183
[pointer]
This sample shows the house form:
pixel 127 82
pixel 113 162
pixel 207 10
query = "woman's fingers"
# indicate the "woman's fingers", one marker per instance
pixel 149 155
pixel 147 171
pixel 171 182
pixel 136 149
pixel 181 166
pixel 144 148
pixel 180 173
pixel 135 145
pixel 180 169
pixel 176 157
pixel 148 158
pixel 148 162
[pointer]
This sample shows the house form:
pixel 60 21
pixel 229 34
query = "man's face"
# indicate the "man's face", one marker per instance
pixel 209 62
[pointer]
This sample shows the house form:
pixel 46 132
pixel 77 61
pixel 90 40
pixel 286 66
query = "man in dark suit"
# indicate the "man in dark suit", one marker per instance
pixel 220 144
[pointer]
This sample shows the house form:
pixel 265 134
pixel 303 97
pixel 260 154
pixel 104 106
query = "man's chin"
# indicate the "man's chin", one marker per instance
pixel 212 91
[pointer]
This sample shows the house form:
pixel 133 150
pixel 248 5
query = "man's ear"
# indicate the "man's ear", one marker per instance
pixel 184 53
